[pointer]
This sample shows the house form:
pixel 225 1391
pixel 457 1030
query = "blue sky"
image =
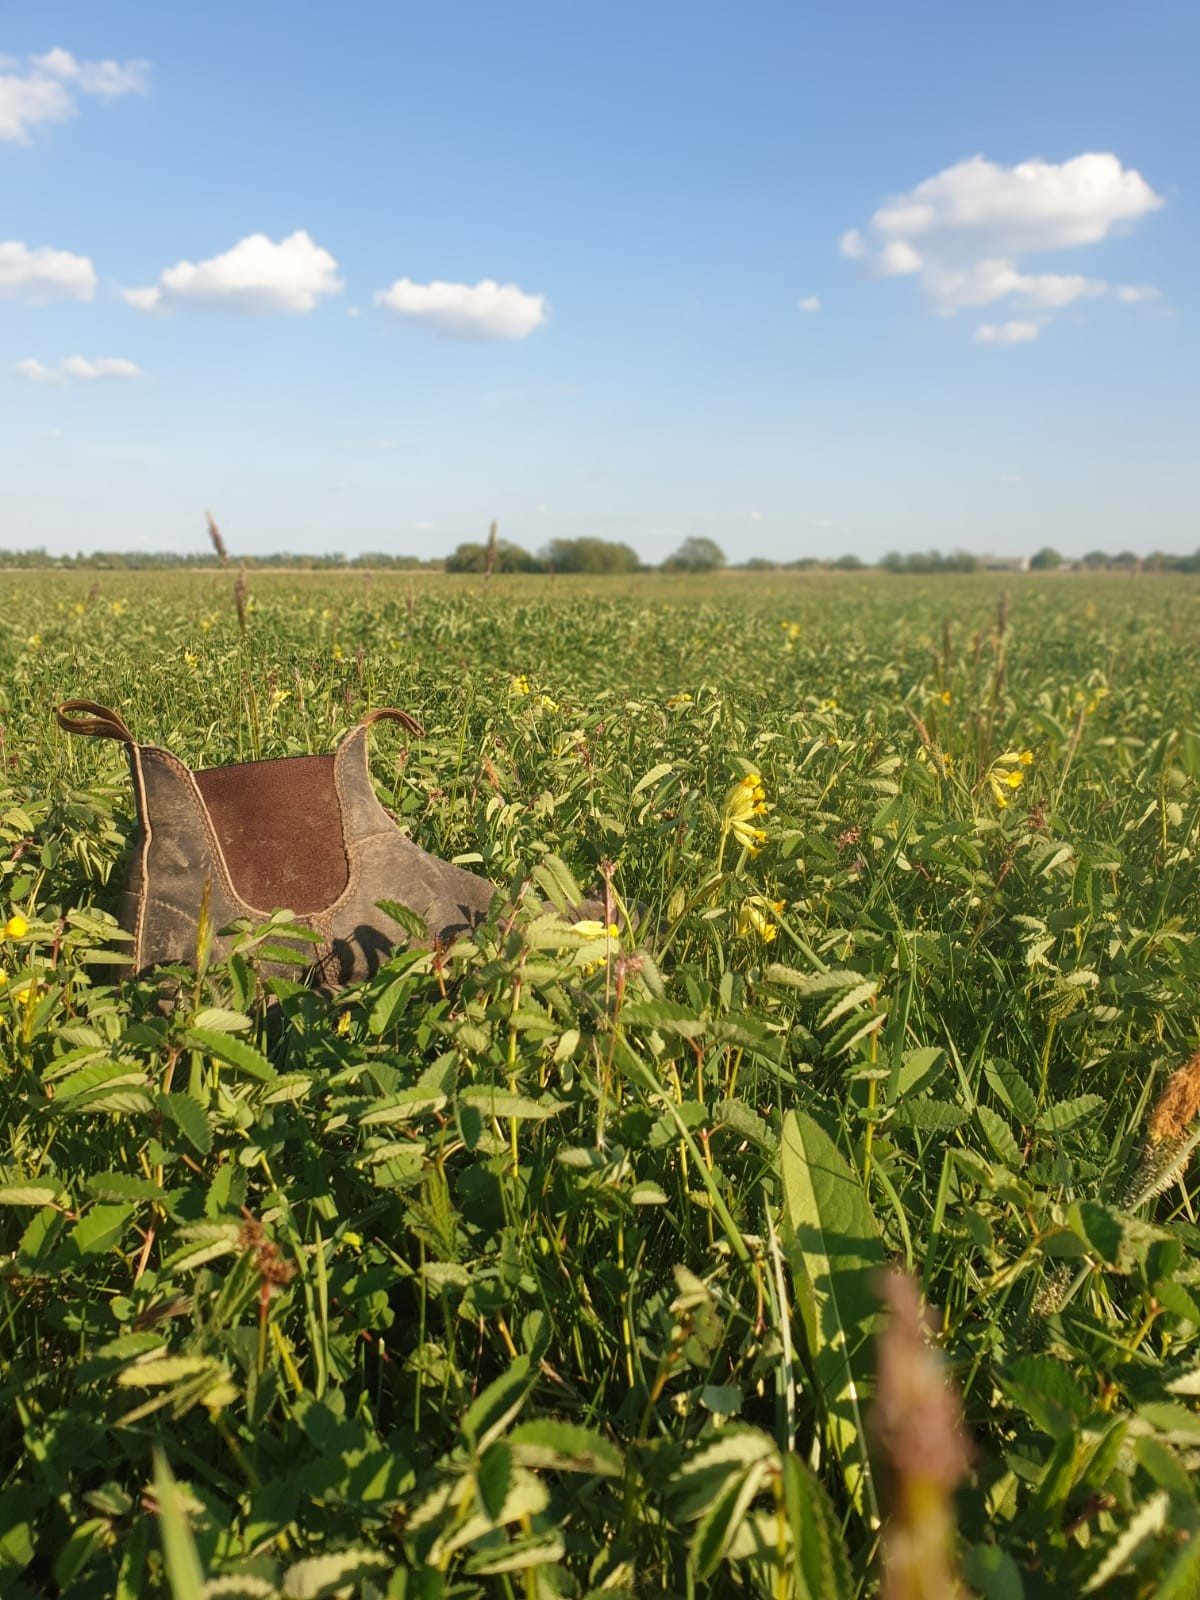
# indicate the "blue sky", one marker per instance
pixel 366 277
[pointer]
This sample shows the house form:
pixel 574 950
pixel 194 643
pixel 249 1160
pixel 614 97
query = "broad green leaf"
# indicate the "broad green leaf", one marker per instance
pixel 29 1194
pixel 100 1228
pixel 564 1447
pixel 490 1413
pixel 321 1577
pixel 190 1117
pixel 719 1525
pixel 217 1019
pixel 498 1103
pixel 1066 1114
pixel 234 1052
pixel 834 1244
pixel 820 1569
pixel 1000 1136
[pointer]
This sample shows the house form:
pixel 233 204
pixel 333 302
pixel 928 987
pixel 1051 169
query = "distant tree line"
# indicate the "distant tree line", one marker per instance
pixel 594 556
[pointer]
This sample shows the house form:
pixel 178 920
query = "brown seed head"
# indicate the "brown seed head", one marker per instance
pixel 1178 1105
pixel 218 544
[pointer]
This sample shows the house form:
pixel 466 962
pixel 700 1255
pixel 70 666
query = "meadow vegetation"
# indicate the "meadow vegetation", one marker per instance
pixel 550 1263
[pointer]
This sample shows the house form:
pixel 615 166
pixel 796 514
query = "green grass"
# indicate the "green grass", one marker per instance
pixel 575 1246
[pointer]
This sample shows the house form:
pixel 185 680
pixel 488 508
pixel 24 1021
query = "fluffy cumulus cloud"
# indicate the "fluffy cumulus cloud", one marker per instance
pixel 963 235
pixel 78 369
pixel 811 302
pixel 257 276
pixel 1015 332
pixel 485 310
pixel 44 274
pixel 46 88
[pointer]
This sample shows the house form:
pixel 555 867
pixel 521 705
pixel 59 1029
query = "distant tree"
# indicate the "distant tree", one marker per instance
pixel 893 562
pixel 849 563
pixel 1096 560
pixel 696 555
pixel 1126 559
pixel 472 557
pixel 1046 559
pixel 589 555
pixel 760 564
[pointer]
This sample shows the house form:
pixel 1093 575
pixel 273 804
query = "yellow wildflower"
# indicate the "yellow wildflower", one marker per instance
pixel 547 704
pixel 34 641
pixel 205 624
pixel 1026 758
pixel 945 697
pixel 745 801
pixel 118 607
pixel 752 918
pixel 676 700
pixel 190 660
pixel 1015 778
pixel 79 608
pixel 16 927
pixel 343 1024
pixel 519 685
pixel 593 929
pixel 828 705
pixel 338 653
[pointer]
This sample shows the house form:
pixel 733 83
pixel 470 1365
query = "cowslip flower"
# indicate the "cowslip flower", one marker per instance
pixel 16 927
pixel 754 917
pixel 745 801
pixel 519 684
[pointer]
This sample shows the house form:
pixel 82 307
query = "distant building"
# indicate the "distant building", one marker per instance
pixel 1004 563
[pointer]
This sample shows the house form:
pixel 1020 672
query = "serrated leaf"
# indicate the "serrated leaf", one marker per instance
pixel 490 1412
pixel 666 1016
pixel 563 1447
pixel 29 1194
pixel 931 1114
pixel 190 1117
pixel 234 1052
pixel 1000 1136
pixel 1064 1114
pixel 834 1244
pixel 1011 1088
pixel 498 1103
pixel 719 1525
pixel 218 1019
pixel 100 1228
pixel 320 1577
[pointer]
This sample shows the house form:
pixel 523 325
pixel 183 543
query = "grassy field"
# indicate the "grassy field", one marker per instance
pixel 551 1265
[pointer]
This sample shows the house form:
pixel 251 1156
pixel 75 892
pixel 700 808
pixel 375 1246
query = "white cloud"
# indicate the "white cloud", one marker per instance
pixel 1132 293
pixel 485 310
pixel 1007 332
pixel 44 274
pixel 78 369
pixel 105 78
pixel 256 276
pixel 811 302
pixel 964 231
pixel 45 89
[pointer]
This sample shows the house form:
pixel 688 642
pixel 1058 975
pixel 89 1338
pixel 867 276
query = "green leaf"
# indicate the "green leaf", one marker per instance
pixel 320 1577
pixel 1044 1388
pixel 1148 1520
pixel 1000 1136
pixel 29 1194
pixel 820 1568
pixel 236 1053
pixel 490 1413
pixel 100 1228
pixel 493 1477
pixel 719 1525
pixel 1066 1114
pixel 666 1016
pixel 931 1114
pixel 190 1117
pixel 184 1572
pixel 497 1103
pixel 992 1573
pixel 563 1447
pixel 834 1247
pixel 217 1019
pixel 1011 1088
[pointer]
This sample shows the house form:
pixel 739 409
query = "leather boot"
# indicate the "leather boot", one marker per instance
pixel 304 832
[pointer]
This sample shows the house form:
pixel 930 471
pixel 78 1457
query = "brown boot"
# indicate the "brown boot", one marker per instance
pixel 305 832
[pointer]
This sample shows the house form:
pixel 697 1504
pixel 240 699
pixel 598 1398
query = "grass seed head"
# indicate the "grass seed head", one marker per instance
pixel 1178 1104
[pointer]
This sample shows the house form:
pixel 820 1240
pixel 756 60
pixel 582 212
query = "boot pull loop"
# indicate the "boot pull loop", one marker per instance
pixel 96 720
pixel 392 714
